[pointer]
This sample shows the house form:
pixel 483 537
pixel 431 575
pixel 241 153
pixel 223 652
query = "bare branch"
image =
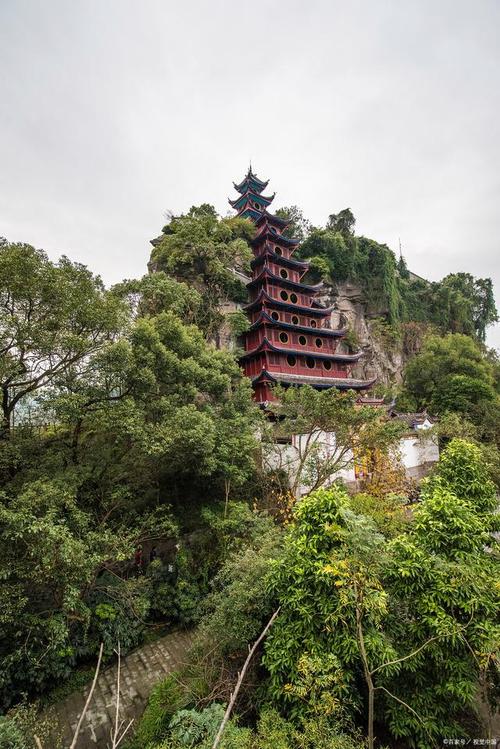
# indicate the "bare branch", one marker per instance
pixel 241 676
pixel 87 703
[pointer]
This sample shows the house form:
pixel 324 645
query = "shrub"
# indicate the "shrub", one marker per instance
pixel 10 735
pixel 165 700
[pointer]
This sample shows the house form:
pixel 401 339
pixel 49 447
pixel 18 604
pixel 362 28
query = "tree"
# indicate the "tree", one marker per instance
pixel 333 249
pixel 443 579
pixel 453 374
pixel 300 227
pixel 53 316
pixel 415 617
pixel 342 222
pixel 327 584
pixel 63 587
pixel 473 303
pixel 205 251
pixel 317 434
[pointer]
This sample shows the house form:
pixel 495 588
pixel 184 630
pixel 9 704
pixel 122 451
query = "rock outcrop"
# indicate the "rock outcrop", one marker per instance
pixel 381 358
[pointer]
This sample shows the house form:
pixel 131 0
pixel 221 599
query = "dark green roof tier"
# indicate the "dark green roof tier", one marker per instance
pixel 267 234
pixel 251 181
pixel 251 197
pixel 272 219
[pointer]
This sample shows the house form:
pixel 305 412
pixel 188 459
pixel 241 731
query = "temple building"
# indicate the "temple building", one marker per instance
pixel 290 341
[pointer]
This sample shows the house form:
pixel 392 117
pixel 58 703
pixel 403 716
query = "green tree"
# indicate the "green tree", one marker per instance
pixel 300 441
pixel 444 581
pixel 300 227
pixel 342 222
pixel 414 618
pixel 57 603
pixel 205 251
pixel 53 316
pixel 453 374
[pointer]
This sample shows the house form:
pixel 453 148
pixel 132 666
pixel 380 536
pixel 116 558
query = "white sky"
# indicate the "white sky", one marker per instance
pixel 113 111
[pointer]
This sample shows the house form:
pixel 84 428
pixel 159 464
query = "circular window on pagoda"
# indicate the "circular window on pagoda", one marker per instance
pixel 310 362
pixel 291 360
pixel 278 251
pixel 313 323
pixel 256 205
pixel 283 273
pixel 294 298
pixel 302 340
pixel 327 365
pixel 273 230
pixel 283 338
pixel 284 295
pixel 275 316
pixel 318 342
pixel 295 320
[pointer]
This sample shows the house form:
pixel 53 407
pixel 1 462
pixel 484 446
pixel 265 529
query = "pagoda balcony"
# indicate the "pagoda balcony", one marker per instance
pixel 289 303
pixel 291 322
pixel 277 294
pixel 290 339
pixel 301 367
pixel 343 383
pixel 280 259
pixel 274 284
pixel 286 350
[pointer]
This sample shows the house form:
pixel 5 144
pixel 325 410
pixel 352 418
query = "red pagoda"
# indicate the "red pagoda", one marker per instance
pixel 289 341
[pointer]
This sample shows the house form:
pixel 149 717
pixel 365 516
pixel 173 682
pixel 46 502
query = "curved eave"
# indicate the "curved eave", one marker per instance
pixel 319 383
pixel 264 296
pixel 266 345
pixel 248 212
pixel 279 260
pixel 265 319
pixel 273 219
pixel 268 275
pixel 266 233
pixel 251 195
pixel 250 177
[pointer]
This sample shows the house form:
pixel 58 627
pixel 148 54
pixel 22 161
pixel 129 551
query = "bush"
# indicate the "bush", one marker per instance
pixel 168 697
pixel 10 735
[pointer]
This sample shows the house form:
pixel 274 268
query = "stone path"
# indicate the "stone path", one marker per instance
pixel 140 671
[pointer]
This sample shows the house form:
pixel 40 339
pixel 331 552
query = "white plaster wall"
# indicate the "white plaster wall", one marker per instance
pixel 417 454
pixel 417 451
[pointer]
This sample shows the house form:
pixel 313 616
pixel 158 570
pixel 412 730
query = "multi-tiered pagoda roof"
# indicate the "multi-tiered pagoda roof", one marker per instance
pixel 289 341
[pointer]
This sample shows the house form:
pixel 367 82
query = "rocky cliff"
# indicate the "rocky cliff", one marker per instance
pixel 383 355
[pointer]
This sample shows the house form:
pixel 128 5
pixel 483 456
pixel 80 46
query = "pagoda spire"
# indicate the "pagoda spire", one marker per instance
pixel 289 340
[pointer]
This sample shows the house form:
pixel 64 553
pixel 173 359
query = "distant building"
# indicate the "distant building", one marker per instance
pixel 289 341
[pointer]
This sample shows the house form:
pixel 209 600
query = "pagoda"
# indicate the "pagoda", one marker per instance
pixel 289 340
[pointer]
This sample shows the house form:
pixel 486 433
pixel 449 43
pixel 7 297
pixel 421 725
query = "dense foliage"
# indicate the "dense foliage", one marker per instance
pixel 205 251
pixel 124 413
pixel 453 375
pixel 140 487
pixel 459 303
pixel 389 629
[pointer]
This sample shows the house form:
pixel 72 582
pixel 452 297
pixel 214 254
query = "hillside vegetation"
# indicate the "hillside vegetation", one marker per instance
pixel 134 498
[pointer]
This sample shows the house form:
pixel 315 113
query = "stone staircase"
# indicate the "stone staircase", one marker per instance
pixel 140 671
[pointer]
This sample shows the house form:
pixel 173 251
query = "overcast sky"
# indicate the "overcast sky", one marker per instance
pixel 113 112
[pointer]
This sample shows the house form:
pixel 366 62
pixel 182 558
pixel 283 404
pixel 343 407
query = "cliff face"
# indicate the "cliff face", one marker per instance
pixel 382 358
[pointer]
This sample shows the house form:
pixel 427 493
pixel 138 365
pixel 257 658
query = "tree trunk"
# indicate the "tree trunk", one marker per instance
pixel 6 415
